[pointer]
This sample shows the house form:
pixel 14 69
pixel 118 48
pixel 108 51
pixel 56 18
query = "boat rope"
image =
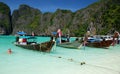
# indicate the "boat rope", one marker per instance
pixel 83 63
pixel 54 46
pixel 103 68
pixel 80 46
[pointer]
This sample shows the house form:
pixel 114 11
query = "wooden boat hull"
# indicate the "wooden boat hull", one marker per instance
pixel 73 45
pixel 43 47
pixel 46 46
pixel 101 44
pixel 30 46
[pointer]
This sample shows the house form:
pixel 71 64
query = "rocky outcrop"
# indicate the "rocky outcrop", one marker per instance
pixel 26 19
pixel 5 19
pixel 60 19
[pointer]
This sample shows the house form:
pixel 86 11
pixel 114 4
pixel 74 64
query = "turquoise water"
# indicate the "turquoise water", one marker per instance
pixel 58 61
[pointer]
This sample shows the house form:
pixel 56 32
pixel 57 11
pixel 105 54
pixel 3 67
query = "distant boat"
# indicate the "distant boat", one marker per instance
pixel 2 32
pixel 21 33
pixel 43 47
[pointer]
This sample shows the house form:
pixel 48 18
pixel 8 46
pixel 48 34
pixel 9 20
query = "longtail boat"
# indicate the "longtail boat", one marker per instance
pixel 100 44
pixel 74 45
pixel 43 47
pixel 64 41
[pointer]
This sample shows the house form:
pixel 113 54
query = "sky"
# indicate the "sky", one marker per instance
pixel 50 5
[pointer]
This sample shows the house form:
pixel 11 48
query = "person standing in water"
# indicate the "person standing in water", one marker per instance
pixel 59 34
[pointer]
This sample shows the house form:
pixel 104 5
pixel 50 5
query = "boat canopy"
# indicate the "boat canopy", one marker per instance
pixel 21 33
pixel 54 33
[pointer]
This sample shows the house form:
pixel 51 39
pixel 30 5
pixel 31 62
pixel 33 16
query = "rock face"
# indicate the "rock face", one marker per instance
pixel 26 19
pixel 101 17
pixel 60 19
pixel 5 19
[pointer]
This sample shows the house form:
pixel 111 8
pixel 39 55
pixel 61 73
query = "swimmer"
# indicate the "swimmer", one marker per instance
pixel 9 51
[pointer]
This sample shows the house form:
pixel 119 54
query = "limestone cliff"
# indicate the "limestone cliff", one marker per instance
pixel 5 19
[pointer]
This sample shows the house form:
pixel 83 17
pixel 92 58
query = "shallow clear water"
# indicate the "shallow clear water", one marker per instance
pixel 58 61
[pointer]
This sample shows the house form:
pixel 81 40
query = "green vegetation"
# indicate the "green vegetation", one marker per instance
pixel 111 16
pixel 4 9
pixel 5 18
pixel 81 31
pixel 35 23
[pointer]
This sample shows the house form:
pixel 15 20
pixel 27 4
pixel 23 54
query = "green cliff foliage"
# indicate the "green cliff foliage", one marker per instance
pixel 5 22
pixel 26 18
pixel 111 15
pixel 4 9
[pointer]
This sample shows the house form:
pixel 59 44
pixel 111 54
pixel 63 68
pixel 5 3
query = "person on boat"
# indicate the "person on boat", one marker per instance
pixel 52 39
pixel 77 39
pixel 17 39
pixel 68 38
pixel 23 41
pixel 9 51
